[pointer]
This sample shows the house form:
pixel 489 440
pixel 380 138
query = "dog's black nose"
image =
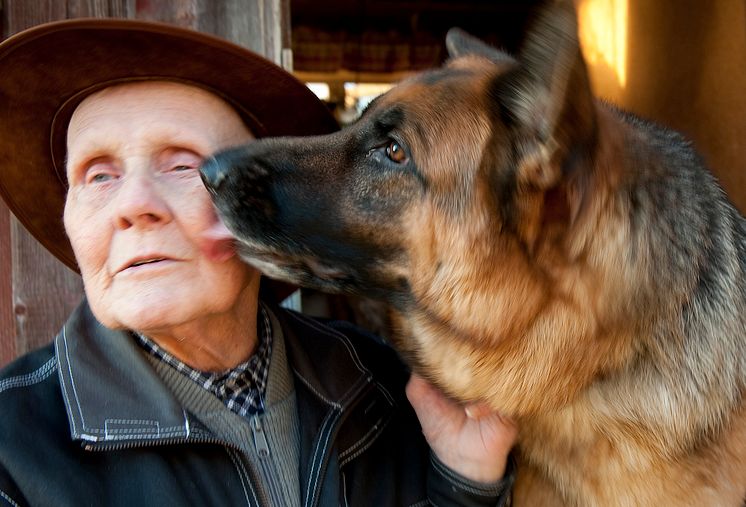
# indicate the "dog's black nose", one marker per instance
pixel 212 173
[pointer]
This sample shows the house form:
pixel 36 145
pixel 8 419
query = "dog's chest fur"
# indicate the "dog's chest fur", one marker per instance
pixel 584 456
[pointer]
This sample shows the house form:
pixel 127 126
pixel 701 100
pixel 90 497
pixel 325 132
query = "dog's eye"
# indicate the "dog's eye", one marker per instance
pixel 396 153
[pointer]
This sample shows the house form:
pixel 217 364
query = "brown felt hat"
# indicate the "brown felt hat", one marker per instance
pixel 46 71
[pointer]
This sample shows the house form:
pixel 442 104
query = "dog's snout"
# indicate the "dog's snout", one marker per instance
pixel 213 173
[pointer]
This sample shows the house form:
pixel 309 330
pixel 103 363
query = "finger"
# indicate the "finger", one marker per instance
pixel 478 410
pixel 427 399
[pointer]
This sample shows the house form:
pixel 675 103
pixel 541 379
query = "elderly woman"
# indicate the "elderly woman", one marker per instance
pixel 172 384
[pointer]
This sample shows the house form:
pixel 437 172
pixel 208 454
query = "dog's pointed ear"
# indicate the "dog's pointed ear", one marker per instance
pixel 460 43
pixel 548 98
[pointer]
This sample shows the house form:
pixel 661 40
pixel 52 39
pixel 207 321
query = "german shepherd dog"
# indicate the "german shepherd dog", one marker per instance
pixel 576 267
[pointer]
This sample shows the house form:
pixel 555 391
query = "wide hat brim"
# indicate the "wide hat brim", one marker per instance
pixel 46 71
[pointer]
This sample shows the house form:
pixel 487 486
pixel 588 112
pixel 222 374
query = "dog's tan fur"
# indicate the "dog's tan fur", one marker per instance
pixel 576 268
pixel 554 338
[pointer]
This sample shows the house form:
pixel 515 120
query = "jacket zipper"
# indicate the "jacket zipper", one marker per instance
pixel 261 445
pixel 260 438
pixel 313 498
pixel 118 446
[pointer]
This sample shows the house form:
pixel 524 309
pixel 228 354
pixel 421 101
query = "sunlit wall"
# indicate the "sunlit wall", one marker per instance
pixel 603 31
pixel 679 63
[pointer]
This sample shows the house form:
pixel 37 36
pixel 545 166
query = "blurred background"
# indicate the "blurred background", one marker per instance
pixel 681 63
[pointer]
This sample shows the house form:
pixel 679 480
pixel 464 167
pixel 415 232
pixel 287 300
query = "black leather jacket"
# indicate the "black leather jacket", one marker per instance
pixel 132 443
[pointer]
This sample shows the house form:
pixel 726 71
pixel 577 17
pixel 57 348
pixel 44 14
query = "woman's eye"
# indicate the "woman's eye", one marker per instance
pixel 100 178
pixel 100 172
pixel 396 153
pixel 179 160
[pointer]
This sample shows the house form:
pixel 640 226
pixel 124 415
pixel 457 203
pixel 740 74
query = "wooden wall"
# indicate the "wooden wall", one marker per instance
pixel 37 292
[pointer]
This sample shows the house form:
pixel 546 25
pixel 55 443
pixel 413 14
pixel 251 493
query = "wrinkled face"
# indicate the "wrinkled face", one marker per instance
pixel 137 214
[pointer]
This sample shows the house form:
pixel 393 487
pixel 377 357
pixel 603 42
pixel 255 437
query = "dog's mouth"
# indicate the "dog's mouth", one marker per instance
pixel 298 268
pixel 324 271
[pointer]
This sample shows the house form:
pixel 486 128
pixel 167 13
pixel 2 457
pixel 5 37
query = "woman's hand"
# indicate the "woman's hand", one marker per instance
pixel 471 440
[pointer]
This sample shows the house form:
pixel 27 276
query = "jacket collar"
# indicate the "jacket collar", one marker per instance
pixel 324 360
pixel 112 393
pixel 114 397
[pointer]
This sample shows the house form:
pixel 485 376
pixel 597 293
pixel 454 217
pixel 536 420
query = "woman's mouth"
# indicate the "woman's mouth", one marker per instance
pixel 147 261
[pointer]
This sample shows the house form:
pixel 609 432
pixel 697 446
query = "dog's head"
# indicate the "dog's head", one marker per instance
pixel 455 167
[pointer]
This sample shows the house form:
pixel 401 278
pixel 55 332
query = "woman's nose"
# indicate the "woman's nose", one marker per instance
pixel 140 203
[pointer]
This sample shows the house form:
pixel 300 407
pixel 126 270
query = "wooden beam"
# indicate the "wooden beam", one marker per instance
pixel 100 8
pixel 37 292
pixel 255 25
pixel 7 321
pixel 21 14
pixel 45 291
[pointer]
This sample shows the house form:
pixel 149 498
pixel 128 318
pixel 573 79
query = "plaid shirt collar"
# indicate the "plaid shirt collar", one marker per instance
pixel 241 388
